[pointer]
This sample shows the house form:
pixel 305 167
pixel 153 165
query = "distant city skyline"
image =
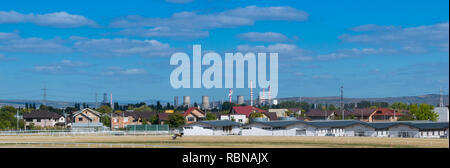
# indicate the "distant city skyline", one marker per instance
pixel 77 49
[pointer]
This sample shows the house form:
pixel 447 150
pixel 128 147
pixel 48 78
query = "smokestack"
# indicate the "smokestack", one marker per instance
pixel 251 93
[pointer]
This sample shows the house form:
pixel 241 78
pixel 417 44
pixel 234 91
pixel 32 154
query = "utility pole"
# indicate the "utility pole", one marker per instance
pixel 342 101
pixel 96 102
pixel 17 116
pixel 112 111
pixel 44 95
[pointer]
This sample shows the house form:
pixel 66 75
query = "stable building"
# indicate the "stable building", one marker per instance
pixel 212 127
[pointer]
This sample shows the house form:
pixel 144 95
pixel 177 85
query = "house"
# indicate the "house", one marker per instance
pixel 212 127
pixel 86 120
pixel 241 114
pixel 245 110
pixel 385 115
pixel 121 120
pixel 163 118
pixel 296 110
pixel 43 118
pixel 362 114
pixel 240 118
pixel 279 112
pixel 194 114
pixel 316 114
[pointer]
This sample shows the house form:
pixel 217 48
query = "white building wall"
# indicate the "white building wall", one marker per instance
pixel 395 130
pixel 310 130
pixel 198 129
pixel 240 118
pixel 256 129
pixel 355 129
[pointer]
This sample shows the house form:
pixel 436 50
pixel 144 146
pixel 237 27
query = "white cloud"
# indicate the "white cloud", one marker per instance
pixel 285 51
pixel 12 42
pixel 166 32
pixel 412 39
pixel 64 66
pixel 110 71
pixel 263 37
pixel 179 1
pixel 58 19
pixel 191 24
pixel 354 52
pixel 123 47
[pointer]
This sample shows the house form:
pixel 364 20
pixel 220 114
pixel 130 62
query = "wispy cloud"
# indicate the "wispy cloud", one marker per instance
pixel 418 39
pixel 64 66
pixel 263 37
pixel 194 23
pixel 110 71
pixel 285 51
pixel 12 42
pixel 354 53
pixel 58 19
pixel 123 47
pixel 179 1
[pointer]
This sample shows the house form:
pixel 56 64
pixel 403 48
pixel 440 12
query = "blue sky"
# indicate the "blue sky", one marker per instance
pixel 79 48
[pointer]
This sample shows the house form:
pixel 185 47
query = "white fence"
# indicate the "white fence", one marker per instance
pixel 80 133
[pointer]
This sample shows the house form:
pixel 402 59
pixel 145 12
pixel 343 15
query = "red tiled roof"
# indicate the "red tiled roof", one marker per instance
pixel 163 116
pixel 271 115
pixel 386 112
pixel 320 113
pixel 365 112
pixel 188 111
pixel 246 110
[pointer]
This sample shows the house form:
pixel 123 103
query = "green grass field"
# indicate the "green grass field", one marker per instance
pixel 216 142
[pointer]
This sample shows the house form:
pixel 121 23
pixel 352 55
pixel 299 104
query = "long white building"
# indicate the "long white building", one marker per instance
pixel 415 129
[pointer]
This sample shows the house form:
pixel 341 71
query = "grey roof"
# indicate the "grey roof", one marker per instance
pixel 336 123
pixel 219 123
pixel 422 125
pixel 279 123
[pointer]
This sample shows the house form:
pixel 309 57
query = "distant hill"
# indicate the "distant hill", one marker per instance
pixel 61 104
pixel 432 99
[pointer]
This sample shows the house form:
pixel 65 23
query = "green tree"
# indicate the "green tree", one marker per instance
pixel 143 108
pixel 227 106
pixel 399 106
pixel 7 117
pixel 256 115
pixel 331 107
pixel 106 120
pixel 423 112
pixel 154 119
pixel 158 105
pixel 210 116
pixel 176 120
pixel 104 109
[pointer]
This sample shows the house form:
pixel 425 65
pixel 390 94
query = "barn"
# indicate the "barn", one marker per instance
pixel 212 127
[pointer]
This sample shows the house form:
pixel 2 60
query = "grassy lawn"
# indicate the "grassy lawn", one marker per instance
pixel 220 142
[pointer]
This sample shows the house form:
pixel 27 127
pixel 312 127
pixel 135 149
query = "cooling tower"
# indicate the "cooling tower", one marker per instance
pixel 240 99
pixel 205 102
pixel 186 100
